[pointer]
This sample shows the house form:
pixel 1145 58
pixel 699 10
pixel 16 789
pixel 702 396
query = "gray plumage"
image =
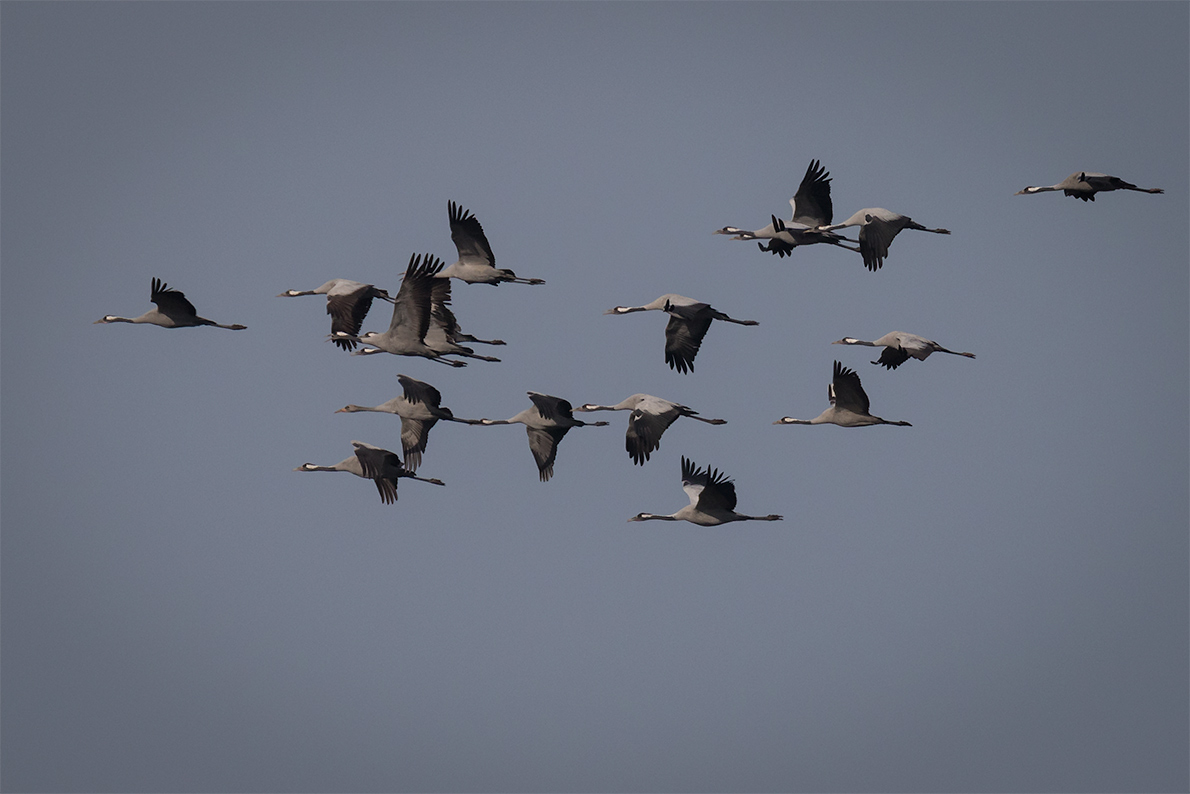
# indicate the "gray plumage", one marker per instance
pixel 347 302
pixel 812 208
pixel 712 500
pixel 412 308
pixel 899 347
pixel 849 404
pixel 476 263
pixel 376 464
pixel 173 311
pixel 877 228
pixel 688 323
pixel 444 334
pixel 1085 184
pixel 420 408
pixel 546 423
pixel 650 417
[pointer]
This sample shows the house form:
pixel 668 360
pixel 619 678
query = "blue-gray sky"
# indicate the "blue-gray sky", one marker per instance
pixel 993 599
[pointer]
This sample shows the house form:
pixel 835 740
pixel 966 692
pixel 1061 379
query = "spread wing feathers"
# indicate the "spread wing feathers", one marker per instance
pixel 348 310
pixel 171 302
pixel 411 310
pixel 644 433
pixel 683 338
pixel 846 391
pixel 415 433
pixel 440 308
pixel 875 237
pixel 893 357
pixel 417 391
pixel 543 443
pixel 468 236
pixel 381 466
pixel 552 408
pixel 812 202
pixel 708 489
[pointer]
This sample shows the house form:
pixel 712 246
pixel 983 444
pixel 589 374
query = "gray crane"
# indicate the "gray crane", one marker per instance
pixel 712 500
pixel 899 347
pixel 546 423
pixel 1085 184
pixel 376 464
pixel 849 404
pixel 811 209
pixel 347 302
pixel 877 228
pixel 173 311
pixel 650 417
pixel 688 323
pixel 420 407
pixel 444 333
pixel 406 334
pixel 476 263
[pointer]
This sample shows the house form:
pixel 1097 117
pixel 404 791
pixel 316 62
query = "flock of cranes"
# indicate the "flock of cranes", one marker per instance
pixel 423 325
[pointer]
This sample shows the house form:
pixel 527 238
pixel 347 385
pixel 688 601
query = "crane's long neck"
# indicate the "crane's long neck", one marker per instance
pixel 652 517
pixel 351 409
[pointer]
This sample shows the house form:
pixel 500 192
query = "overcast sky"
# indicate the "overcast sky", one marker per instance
pixel 994 599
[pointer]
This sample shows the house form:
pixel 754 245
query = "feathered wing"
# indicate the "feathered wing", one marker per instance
pixel 709 489
pixel 875 237
pixel 348 310
pixel 892 357
pixel 847 391
pixel 683 338
pixel 552 408
pixel 411 310
pixel 440 312
pixel 381 466
pixel 468 237
pixel 417 391
pixel 644 433
pixel 812 202
pixel 415 434
pixel 543 443
pixel 171 302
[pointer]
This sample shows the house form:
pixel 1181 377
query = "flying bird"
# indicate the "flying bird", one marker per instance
pixel 1085 184
pixel 347 302
pixel 650 417
pixel 899 347
pixel 546 423
pixel 406 334
pixel 420 407
pixel 444 333
pixel 712 500
pixel 688 324
pixel 173 311
pixel 877 228
pixel 811 209
pixel 849 404
pixel 376 464
pixel 476 263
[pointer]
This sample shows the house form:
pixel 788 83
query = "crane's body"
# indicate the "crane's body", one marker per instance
pixel 376 464
pixel 712 500
pixel 899 347
pixel 650 417
pixel 476 263
pixel 849 404
pixel 546 423
pixel 877 228
pixel 688 323
pixel 347 302
pixel 173 311
pixel 1085 184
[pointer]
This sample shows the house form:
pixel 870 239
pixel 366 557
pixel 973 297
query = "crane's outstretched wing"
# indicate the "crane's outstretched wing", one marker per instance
pixel 552 408
pixel 812 202
pixel 411 309
pixel 468 237
pixel 892 357
pixel 846 391
pixel 543 443
pixel 708 488
pixel 644 433
pixel 683 338
pixel 348 306
pixel 170 302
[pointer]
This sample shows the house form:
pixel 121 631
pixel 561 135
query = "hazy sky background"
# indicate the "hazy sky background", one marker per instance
pixel 995 599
